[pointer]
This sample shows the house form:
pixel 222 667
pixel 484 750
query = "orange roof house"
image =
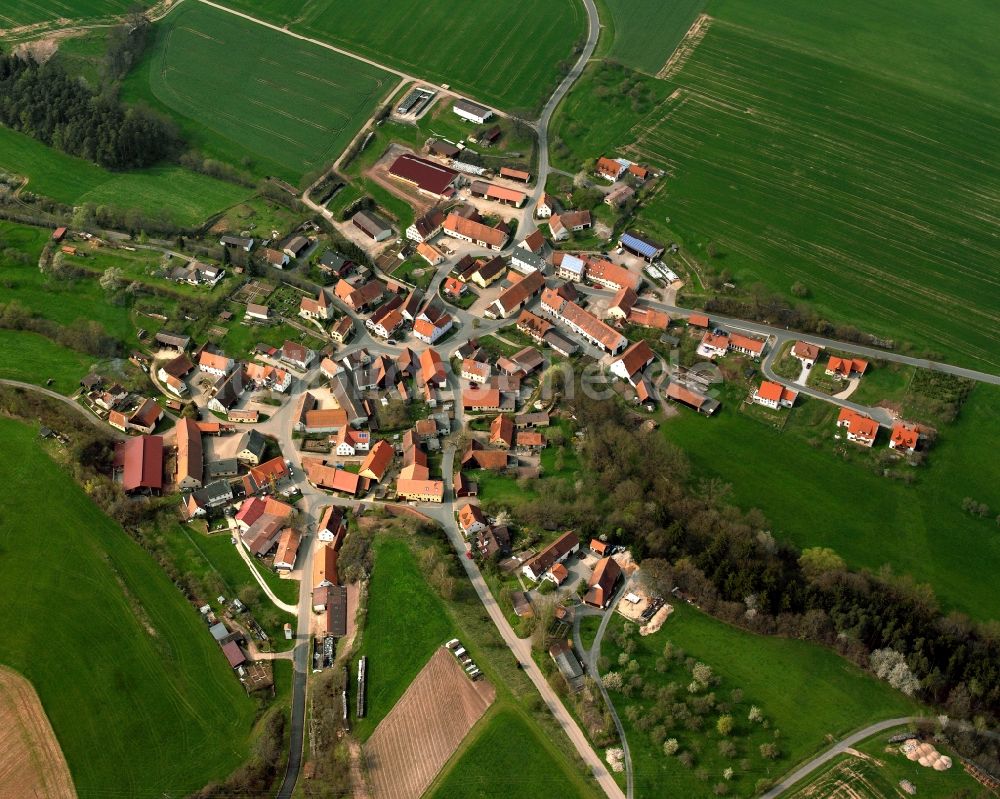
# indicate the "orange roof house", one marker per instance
pixel 376 463
pixel 904 436
pixel 502 431
pixel 860 429
pixel 602 583
pixel 774 395
pixel 844 368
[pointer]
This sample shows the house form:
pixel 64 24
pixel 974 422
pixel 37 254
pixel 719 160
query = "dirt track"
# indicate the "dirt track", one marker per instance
pixel 427 724
pixel 31 762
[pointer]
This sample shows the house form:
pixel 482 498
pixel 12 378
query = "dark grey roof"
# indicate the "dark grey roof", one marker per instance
pixel 220 468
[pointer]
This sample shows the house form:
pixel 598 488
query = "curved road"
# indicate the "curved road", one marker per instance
pixel 837 749
pixel 67 401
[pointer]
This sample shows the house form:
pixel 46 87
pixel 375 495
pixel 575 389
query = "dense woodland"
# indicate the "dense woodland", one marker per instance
pixel 44 102
pixel 638 489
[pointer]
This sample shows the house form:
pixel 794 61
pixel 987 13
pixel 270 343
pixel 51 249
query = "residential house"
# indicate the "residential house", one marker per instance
pixel 320 309
pixel 534 242
pixel 612 276
pixel 774 395
pixel 265 376
pixel 533 326
pixel 333 263
pixel 426 227
pixel 488 272
pixel 860 429
pixel 492 238
pixel 753 347
pixel 805 352
pixel 620 194
pixel 454 287
pixel 502 432
pixel 610 168
pixel 325 567
pixel 429 253
pixel 276 258
pixel 376 463
pixel 513 299
pixel 478 457
pixel 475 371
pixel 288 549
pixel 237 242
pixel 583 322
pixel 481 398
pixel 253 508
pixel 297 355
pixel 570 267
pixel 258 312
pixel 471 519
pixel 602 583
pixel 420 490
pixel 432 370
pixel 349 443
pixel 332 527
pixel 432 323
pixel 250 448
pixel 713 345
pixel 228 391
pixel 546 206
pixel 845 368
pixel 568 222
pixel 341 330
pixel 330 478
pixel 633 361
pixel 540 567
pixel 146 416
pixel 529 440
pixel 904 437
pixel 214 363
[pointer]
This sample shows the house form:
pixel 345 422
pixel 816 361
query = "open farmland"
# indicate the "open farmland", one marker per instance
pixel 507 758
pixel 31 763
pixel 879 199
pixel 425 727
pixel 115 652
pixel 505 54
pixel 643 33
pixel 184 197
pixel 243 92
pixel 18 13
pixel 32 358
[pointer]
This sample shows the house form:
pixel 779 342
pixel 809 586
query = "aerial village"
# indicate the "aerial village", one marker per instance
pixel 387 393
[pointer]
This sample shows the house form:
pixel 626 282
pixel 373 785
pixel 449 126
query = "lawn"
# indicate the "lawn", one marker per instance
pixel 643 33
pixel 275 104
pixel 816 498
pixel 32 358
pixel 16 13
pixel 116 653
pixel 504 54
pixel 506 757
pixel 858 165
pixel 187 198
pixel 780 676
pixel 405 623
pixel 877 774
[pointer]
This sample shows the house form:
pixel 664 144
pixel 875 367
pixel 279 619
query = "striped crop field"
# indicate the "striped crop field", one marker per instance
pixel 240 90
pixel 501 53
pixel 643 33
pixel 882 200
pixel 15 14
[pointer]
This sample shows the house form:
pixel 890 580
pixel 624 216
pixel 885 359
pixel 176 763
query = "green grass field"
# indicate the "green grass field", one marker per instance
pixel 815 498
pixel 141 699
pixel 504 54
pixel 878 773
pixel 405 624
pixel 808 147
pixel 506 757
pixel 32 358
pixel 274 104
pixel 16 13
pixel 643 33
pixel 188 198
pixel 783 677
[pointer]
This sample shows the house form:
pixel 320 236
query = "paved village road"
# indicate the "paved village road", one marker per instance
pixel 837 749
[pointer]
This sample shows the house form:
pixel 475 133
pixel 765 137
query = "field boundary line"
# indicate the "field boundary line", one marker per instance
pixel 686 47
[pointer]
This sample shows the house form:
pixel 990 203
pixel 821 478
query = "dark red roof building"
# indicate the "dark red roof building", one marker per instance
pixel 142 464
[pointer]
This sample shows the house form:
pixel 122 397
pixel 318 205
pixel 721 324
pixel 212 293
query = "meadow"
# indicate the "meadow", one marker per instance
pixel 809 146
pixel 16 13
pixel 32 358
pixel 186 198
pixel 815 497
pixel 405 624
pixel 506 757
pixel 504 54
pixel 780 676
pixel 273 104
pixel 116 653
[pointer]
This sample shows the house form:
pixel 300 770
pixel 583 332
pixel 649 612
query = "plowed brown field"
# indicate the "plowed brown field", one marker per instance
pixel 427 724
pixel 31 763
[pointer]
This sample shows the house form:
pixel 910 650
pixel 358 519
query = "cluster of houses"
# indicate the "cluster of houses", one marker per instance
pixel 125 411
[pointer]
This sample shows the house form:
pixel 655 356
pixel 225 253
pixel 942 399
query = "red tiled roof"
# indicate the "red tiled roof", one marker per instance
pixel 475 230
pixel 377 461
pixel 427 175
pixel 143 463
pixel 904 436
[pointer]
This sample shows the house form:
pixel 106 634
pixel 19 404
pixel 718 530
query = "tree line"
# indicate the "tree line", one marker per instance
pixel 639 490
pixel 44 102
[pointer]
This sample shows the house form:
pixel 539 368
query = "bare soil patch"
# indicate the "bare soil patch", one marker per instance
pixel 421 732
pixel 31 761
pixel 687 46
